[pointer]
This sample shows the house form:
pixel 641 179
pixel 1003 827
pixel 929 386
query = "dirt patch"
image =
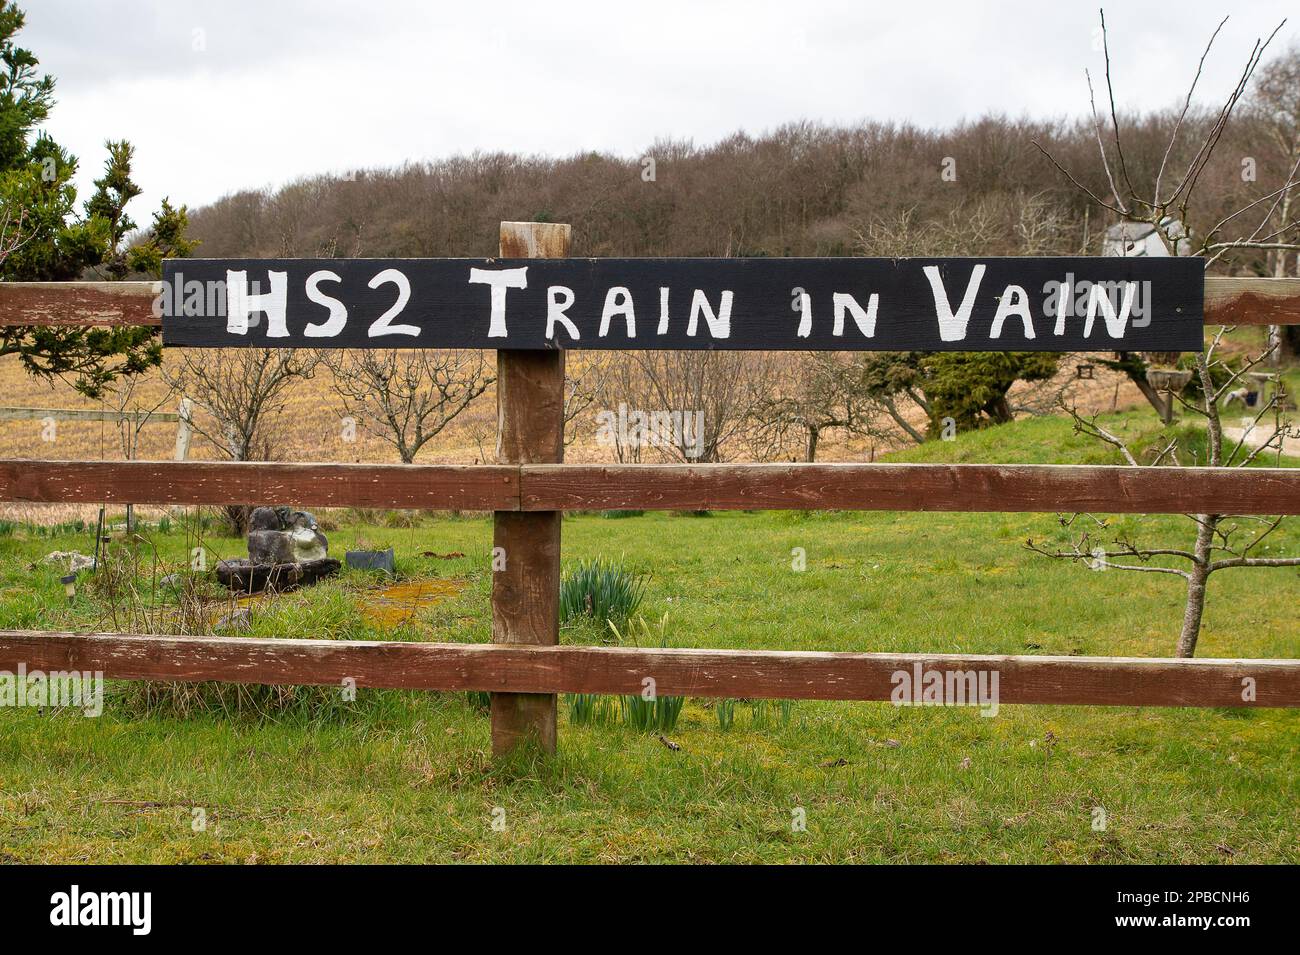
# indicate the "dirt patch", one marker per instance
pixel 399 603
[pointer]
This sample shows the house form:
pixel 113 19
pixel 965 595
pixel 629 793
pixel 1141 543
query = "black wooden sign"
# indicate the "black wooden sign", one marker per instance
pixel 850 304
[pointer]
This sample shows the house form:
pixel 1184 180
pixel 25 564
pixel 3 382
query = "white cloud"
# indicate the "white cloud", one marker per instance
pixel 281 89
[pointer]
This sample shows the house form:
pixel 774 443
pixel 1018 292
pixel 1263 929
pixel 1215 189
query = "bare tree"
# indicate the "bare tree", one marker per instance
pixel 1169 208
pixel 585 375
pixel 14 233
pixel 808 395
pixel 722 387
pixel 624 383
pixel 687 405
pixel 243 391
pixel 1219 542
pixel 480 423
pixel 408 397
pixel 1222 540
pixel 135 413
pixel 1044 397
pixel 133 416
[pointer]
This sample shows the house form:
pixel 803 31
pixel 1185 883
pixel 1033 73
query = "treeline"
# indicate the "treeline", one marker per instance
pixel 803 189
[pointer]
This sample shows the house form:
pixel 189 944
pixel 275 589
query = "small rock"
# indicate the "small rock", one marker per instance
pixel 371 560
pixel 76 561
pixel 965 763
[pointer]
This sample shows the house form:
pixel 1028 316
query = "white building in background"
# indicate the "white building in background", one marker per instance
pixel 1132 239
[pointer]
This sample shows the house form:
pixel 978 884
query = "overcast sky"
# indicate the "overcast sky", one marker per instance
pixel 220 95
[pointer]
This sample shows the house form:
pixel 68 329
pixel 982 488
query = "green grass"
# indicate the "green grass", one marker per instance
pixel 406 777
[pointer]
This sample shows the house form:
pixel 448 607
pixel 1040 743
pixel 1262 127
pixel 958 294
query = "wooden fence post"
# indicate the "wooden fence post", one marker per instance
pixel 184 428
pixel 526 546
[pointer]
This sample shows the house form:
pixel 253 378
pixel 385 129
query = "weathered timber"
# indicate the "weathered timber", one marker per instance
pixel 1252 301
pixel 79 303
pixel 1044 488
pixel 86 414
pixel 526 547
pixel 913 487
pixel 771 674
pixel 442 487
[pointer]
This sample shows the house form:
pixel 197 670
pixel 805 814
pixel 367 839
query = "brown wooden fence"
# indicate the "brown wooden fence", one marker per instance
pixel 528 490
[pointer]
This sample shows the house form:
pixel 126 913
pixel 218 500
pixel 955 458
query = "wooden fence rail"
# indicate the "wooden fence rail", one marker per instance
pixel 182 418
pixel 748 674
pixel 913 487
pixel 1044 488
pixel 87 414
pixel 485 487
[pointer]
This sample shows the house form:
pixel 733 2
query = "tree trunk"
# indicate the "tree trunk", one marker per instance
pixel 237 516
pixel 1199 575
pixel 999 409
pixel 1279 271
pixel 1164 406
pixel 1125 363
pixel 813 435
pixel 899 420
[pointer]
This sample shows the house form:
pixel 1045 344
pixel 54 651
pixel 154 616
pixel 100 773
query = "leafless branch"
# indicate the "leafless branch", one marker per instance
pixel 1187 103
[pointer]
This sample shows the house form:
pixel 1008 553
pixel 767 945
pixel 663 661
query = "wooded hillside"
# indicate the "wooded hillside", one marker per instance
pixel 803 189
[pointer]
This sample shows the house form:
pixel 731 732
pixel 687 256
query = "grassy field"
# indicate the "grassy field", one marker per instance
pixel 304 777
